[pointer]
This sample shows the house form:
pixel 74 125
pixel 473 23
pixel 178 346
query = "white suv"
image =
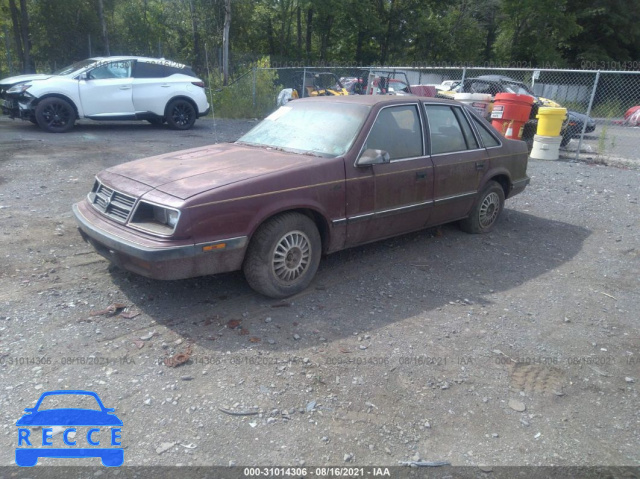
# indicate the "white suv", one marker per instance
pixel 108 88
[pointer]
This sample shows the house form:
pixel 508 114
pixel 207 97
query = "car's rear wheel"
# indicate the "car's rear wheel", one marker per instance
pixel 181 115
pixel 283 255
pixel 486 210
pixel 55 115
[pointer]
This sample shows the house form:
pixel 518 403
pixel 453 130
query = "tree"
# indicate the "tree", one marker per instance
pixel 225 41
pixel 610 31
pixel 20 21
pixel 105 36
pixel 535 31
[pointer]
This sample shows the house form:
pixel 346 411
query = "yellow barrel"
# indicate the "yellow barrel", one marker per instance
pixel 550 120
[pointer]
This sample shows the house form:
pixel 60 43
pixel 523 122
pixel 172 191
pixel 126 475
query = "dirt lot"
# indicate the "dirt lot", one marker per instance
pixel 520 347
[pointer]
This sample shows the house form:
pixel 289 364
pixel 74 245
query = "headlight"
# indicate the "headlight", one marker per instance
pixel 155 218
pixel 19 88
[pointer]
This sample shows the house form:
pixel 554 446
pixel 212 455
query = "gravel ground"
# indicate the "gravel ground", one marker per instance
pixel 519 347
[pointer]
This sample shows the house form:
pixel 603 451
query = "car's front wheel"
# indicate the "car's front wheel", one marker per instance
pixel 55 115
pixel 486 210
pixel 181 115
pixel 283 255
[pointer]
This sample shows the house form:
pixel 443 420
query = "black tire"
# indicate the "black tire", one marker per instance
pixel 485 211
pixel 180 115
pixel 156 121
pixel 55 115
pixel 565 140
pixel 283 255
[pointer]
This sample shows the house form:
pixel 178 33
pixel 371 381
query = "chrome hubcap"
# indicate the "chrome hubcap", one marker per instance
pixel 291 256
pixel 489 209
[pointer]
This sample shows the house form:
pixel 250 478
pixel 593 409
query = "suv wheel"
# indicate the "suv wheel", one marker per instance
pixel 181 115
pixel 55 115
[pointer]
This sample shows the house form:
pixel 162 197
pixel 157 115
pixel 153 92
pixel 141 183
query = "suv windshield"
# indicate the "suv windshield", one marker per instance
pixel 74 67
pixel 518 88
pixel 318 128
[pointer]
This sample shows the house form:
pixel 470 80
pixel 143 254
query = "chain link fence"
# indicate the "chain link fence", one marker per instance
pixel 604 106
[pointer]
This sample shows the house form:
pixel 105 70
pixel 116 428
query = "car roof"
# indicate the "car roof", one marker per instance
pixel 131 57
pixel 372 100
pixel 497 78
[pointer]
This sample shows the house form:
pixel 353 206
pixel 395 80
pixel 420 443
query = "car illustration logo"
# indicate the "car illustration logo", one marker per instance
pixel 98 427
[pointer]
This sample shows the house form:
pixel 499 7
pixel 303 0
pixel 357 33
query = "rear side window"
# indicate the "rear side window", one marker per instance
pixel 183 71
pixel 487 138
pixel 445 132
pixel 159 70
pixel 150 70
pixel 472 143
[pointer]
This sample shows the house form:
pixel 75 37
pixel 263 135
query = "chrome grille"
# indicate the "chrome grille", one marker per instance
pixel 112 203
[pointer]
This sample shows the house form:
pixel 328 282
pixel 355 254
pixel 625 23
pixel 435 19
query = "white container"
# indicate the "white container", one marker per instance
pixel 546 147
pixel 480 101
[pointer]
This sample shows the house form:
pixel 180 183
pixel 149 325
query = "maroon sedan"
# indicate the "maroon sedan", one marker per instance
pixel 316 176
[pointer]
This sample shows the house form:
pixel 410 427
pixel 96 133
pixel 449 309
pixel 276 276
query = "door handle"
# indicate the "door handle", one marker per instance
pixel 479 165
pixel 125 88
pixel 421 175
pixel 165 86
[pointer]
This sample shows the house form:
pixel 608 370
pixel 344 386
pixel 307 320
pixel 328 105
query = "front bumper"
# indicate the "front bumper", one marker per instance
pixel 157 259
pixel 18 107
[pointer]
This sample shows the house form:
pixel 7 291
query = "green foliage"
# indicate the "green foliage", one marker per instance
pixel 241 99
pixel 611 108
pixel 367 32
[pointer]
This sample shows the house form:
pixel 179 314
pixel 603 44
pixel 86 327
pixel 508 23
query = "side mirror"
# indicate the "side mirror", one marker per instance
pixel 373 157
pixel 83 76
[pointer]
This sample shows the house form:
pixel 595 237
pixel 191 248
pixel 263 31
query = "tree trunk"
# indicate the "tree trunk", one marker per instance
pixel 26 43
pixel 325 39
pixel 15 20
pixel 225 42
pixel 309 32
pixel 384 50
pixel 105 36
pixel 272 46
pixel 359 44
pixel 299 19
pixel 196 35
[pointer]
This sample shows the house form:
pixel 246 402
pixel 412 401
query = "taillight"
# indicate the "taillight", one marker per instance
pixel 198 83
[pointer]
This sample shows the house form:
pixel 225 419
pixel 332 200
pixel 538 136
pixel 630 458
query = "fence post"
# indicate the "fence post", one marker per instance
pixel 254 86
pixel 304 81
pixel 584 123
pixel 464 74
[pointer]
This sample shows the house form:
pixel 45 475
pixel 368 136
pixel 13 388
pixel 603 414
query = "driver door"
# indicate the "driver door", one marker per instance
pixel 107 90
pixel 394 197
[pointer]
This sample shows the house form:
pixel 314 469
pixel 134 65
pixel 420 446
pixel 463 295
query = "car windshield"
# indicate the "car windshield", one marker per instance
pixel 518 88
pixel 74 401
pixel 69 69
pixel 311 127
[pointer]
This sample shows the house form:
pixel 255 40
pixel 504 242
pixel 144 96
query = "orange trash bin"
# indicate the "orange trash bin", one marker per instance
pixel 510 113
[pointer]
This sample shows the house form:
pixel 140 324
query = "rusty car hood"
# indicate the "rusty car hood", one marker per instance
pixel 187 173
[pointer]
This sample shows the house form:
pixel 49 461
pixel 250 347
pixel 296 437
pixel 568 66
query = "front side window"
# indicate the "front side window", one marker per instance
pixel 117 69
pixel 397 130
